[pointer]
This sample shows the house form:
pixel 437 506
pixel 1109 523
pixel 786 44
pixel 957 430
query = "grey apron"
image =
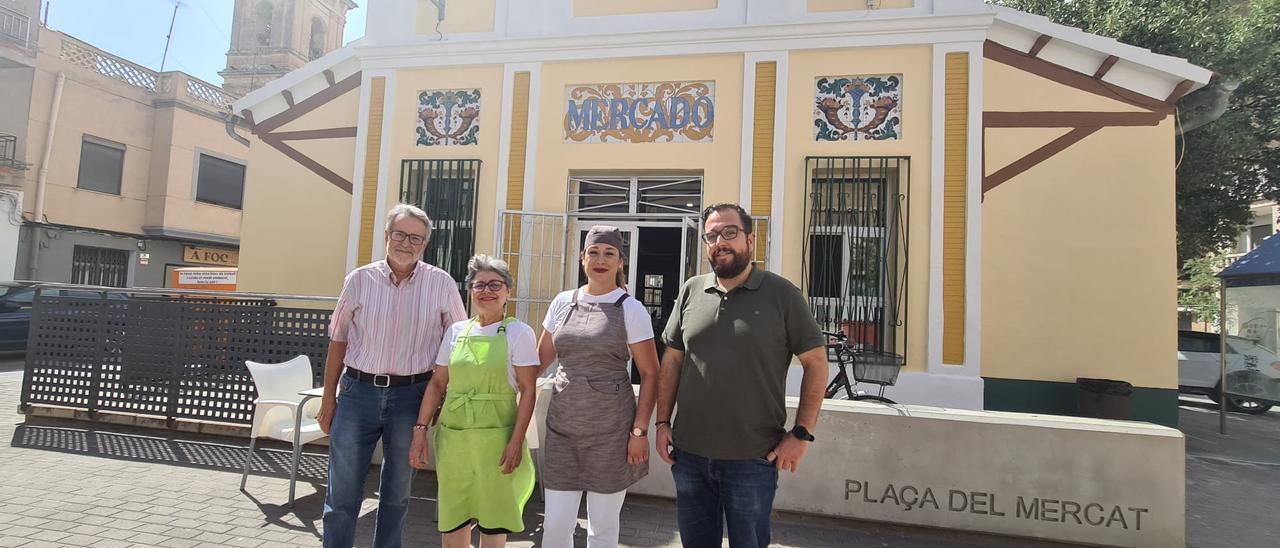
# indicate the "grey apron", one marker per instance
pixel 593 406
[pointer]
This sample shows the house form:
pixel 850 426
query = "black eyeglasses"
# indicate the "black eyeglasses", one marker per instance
pixel 728 234
pixel 415 239
pixel 494 286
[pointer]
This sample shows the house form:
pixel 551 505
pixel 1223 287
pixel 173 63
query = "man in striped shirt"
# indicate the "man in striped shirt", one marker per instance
pixel 386 330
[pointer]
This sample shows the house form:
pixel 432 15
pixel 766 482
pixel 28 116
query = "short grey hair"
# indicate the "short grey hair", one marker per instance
pixel 485 263
pixel 410 211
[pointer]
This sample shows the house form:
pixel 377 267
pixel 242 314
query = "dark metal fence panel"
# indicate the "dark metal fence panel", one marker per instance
pixel 446 190
pixel 177 358
pixel 855 249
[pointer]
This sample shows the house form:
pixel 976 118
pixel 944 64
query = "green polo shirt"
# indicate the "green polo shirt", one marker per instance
pixel 737 349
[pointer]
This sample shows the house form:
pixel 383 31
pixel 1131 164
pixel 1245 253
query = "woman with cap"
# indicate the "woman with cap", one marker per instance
pixel 597 435
pixel 483 469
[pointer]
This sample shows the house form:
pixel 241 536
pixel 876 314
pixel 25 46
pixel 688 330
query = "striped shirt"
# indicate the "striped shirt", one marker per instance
pixel 395 329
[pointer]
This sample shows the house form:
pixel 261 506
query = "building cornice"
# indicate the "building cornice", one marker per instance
pixel 1135 69
pixel 740 39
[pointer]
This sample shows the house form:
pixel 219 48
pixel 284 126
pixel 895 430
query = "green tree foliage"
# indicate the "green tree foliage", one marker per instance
pixel 1227 164
pixel 1201 291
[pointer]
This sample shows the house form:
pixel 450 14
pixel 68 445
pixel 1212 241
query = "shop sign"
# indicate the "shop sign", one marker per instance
pixel 209 255
pixel 858 108
pixel 654 112
pixel 206 277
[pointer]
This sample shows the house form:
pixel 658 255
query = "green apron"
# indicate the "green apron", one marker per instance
pixel 475 427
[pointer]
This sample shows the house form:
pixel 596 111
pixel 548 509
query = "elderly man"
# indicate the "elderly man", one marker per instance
pixel 386 330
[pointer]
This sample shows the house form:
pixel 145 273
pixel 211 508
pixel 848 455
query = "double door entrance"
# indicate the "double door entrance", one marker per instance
pixel 659 216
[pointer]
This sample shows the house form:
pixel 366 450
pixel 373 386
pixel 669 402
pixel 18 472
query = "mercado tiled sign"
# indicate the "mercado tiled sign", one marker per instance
pixel 858 108
pixel 653 112
pixel 448 117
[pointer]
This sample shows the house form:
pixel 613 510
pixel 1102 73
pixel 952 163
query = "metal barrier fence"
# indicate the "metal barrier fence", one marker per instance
pixel 165 353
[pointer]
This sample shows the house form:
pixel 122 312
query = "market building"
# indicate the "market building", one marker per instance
pixel 949 181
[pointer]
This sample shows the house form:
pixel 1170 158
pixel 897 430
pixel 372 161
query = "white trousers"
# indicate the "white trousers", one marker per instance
pixel 603 511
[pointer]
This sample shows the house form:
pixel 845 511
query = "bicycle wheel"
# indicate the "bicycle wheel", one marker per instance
pixel 869 397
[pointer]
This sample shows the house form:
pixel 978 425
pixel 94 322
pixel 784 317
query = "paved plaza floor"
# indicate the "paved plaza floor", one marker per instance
pixel 65 483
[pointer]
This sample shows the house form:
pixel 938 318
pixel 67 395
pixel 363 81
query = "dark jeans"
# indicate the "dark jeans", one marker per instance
pixel 711 493
pixel 364 415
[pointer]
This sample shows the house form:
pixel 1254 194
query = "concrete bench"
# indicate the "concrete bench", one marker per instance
pixel 1113 483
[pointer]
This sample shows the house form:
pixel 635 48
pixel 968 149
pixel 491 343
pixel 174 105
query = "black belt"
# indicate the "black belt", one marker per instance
pixel 387 381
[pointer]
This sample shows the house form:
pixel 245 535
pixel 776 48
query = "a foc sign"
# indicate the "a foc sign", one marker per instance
pixel 654 112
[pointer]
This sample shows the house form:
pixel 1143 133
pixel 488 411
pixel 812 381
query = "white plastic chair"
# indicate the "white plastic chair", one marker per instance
pixel 281 412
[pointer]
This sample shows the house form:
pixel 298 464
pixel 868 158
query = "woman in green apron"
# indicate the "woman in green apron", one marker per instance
pixel 483 468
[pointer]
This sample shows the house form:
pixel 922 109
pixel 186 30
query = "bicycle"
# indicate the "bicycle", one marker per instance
pixel 869 366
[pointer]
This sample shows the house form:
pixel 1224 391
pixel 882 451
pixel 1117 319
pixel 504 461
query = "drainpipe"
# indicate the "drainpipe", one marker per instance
pixel 42 177
pixel 231 120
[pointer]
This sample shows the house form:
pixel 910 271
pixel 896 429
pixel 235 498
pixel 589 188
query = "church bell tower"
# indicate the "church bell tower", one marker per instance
pixel 270 38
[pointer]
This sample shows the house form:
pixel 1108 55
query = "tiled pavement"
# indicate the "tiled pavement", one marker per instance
pixel 80 484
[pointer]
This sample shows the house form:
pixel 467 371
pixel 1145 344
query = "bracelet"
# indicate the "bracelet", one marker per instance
pixel 420 427
pixel 663 423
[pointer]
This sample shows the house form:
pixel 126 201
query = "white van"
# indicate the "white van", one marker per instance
pixel 1253 371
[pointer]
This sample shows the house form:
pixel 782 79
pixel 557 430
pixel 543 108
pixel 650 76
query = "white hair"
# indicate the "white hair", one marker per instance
pixel 485 263
pixel 411 211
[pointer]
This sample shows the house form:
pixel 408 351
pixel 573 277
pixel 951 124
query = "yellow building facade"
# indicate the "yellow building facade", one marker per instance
pixel 946 181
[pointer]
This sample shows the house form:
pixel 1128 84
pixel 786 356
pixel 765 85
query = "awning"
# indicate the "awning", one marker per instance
pixel 1258 267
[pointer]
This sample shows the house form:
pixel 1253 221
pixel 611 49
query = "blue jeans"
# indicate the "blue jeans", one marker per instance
pixel 366 413
pixel 711 493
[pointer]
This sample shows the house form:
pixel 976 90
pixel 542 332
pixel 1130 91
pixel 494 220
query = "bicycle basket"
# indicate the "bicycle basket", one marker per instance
pixel 880 368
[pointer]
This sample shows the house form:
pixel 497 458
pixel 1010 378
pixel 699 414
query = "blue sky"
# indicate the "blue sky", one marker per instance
pixel 136 29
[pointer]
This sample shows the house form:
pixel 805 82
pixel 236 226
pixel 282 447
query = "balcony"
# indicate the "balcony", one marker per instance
pixel 163 86
pixel 9 154
pixel 15 28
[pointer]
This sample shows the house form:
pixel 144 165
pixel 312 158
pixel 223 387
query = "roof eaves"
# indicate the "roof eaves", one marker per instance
pixel 274 88
pixel 1173 66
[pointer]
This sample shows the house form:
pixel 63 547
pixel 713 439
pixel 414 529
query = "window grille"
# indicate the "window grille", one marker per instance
pixel 635 195
pixel 855 250
pixel 99 266
pixel 446 190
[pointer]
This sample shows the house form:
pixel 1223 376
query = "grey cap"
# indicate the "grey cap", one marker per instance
pixel 604 234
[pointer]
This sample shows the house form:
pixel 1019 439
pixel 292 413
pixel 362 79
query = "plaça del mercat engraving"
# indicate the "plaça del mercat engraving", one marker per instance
pixel 910 498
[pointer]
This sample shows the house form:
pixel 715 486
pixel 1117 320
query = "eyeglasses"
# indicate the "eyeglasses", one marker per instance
pixel 415 239
pixel 728 234
pixel 494 286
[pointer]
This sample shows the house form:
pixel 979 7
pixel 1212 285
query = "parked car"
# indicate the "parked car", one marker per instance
pixel 1253 371
pixel 15 311
pixel 15 315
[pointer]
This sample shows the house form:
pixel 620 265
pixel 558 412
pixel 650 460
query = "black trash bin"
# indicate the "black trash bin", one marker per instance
pixel 1105 398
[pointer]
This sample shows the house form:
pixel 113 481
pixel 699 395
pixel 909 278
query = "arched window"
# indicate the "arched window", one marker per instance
pixel 262 17
pixel 318 48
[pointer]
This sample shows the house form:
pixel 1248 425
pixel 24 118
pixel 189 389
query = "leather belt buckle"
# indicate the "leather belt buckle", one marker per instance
pixel 385 381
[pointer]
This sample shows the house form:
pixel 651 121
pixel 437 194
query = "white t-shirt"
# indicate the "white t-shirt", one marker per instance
pixel 522 346
pixel 639 324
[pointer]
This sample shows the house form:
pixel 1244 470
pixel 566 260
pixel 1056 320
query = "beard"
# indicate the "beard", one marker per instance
pixel 730 269
pixel 402 258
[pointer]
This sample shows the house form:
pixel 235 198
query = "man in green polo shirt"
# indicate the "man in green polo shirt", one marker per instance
pixel 730 339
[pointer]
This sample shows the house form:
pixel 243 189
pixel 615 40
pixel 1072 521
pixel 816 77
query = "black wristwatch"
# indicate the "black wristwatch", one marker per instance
pixel 801 433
